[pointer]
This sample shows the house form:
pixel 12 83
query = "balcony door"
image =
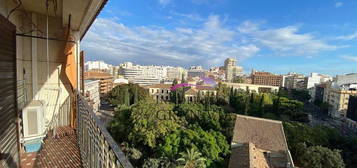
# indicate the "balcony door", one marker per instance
pixel 9 149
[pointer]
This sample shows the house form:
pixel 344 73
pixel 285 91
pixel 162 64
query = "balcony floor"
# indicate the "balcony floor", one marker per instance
pixel 59 152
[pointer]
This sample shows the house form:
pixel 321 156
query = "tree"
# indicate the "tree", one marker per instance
pixel 126 97
pixel 151 121
pixel 212 144
pixel 321 157
pixel 132 93
pixel 191 159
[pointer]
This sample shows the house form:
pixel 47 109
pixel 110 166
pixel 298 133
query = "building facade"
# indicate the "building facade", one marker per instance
pixel 253 88
pixel 92 93
pixel 338 99
pixel 160 92
pixel 196 71
pixel 294 81
pixel 266 78
pixel 314 79
pixel 231 69
pixel 105 81
pixel 97 66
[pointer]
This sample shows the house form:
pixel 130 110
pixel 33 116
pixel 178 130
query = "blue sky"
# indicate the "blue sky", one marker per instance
pixel 279 36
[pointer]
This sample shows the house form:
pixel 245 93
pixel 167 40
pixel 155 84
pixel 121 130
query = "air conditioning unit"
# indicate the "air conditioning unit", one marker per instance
pixel 33 120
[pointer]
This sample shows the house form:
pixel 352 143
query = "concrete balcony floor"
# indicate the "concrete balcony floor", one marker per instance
pixel 59 152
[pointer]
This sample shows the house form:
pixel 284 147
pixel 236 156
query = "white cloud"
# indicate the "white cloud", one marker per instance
pixel 164 2
pixel 349 58
pixel 348 37
pixel 338 4
pixel 287 40
pixel 207 45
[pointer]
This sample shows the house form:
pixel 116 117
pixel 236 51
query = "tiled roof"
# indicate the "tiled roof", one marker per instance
pixel 191 92
pixel 205 88
pixel 263 133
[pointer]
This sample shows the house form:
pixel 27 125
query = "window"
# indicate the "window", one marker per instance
pixel 162 91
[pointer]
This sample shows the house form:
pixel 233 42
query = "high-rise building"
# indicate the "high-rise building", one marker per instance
pixel 231 69
pixel 266 78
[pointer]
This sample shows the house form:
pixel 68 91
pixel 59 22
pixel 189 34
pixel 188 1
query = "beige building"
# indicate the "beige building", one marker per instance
pixel 160 92
pixel 259 143
pixel 338 99
pixel 231 69
pixel 253 88
pixel 266 78
pixel 192 94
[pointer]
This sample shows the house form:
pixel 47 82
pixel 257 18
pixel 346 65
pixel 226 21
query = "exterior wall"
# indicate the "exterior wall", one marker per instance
pixel 266 78
pixel 253 88
pixel 231 69
pixel 339 102
pixel 91 90
pixel 160 94
pixel 49 85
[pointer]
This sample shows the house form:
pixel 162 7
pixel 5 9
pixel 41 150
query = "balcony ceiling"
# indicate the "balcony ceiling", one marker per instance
pixel 82 11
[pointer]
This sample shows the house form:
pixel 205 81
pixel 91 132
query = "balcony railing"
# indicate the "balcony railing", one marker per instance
pixel 98 149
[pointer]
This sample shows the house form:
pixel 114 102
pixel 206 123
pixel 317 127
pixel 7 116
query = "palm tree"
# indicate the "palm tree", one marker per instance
pixel 191 159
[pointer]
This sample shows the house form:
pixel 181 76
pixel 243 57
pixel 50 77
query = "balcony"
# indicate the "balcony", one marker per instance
pixel 89 144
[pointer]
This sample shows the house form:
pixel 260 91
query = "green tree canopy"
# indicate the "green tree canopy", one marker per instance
pixel 321 157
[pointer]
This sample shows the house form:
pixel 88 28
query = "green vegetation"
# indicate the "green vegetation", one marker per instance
pixel 127 94
pixel 179 134
pixel 320 146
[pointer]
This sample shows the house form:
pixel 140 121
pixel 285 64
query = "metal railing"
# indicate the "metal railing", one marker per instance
pixel 98 149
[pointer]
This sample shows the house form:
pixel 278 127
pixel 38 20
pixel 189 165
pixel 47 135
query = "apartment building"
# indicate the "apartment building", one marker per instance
pixel 294 81
pixel 97 66
pixel 92 93
pixel 231 69
pixel 314 79
pixel 105 80
pixel 196 71
pixel 176 73
pixel 253 88
pixel 40 55
pixel 266 78
pixel 338 97
pixel 144 75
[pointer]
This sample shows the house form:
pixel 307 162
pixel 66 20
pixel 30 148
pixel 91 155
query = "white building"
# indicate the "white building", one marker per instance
pixel 91 92
pixel 176 73
pixel 315 79
pixel 97 65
